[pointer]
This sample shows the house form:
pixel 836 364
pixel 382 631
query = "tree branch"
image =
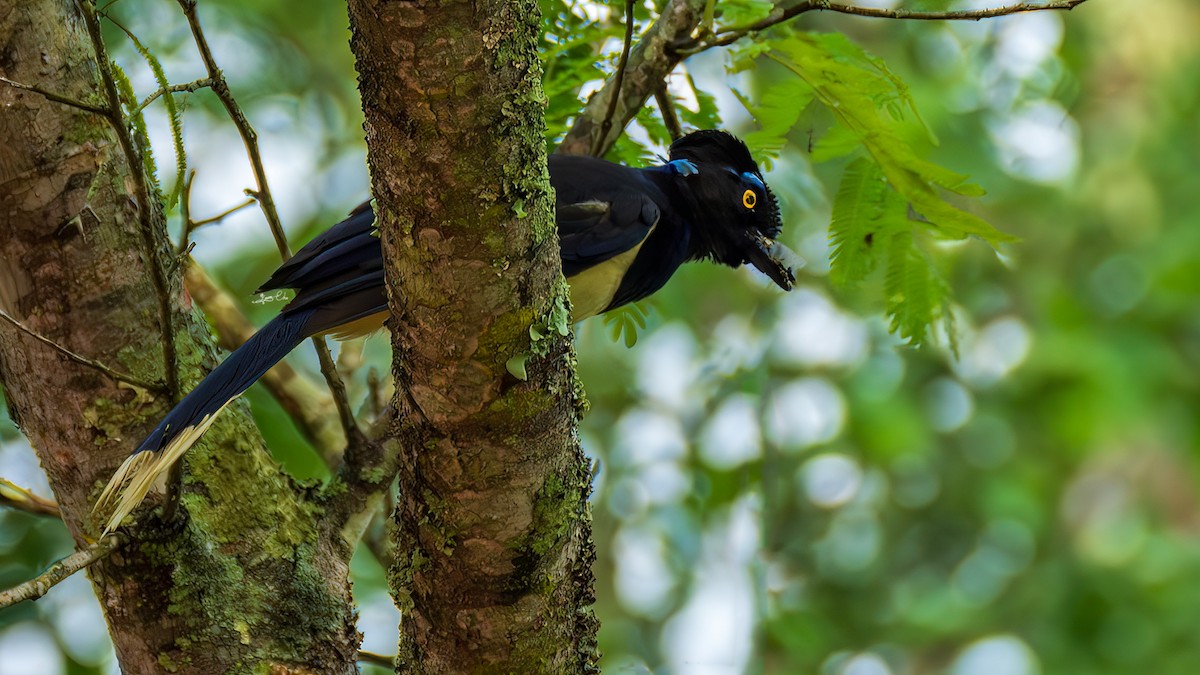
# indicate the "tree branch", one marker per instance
pixel 671 38
pixel 376 659
pixel 173 89
pixel 83 360
pixel 650 61
pixel 59 571
pixel 249 137
pixel 606 124
pixel 17 497
pixel 666 107
pixel 337 388
pixel 142 191
pixel 725 37
pixel 58 98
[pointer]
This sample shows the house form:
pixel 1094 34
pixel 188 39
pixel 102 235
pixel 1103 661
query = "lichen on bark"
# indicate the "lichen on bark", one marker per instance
pixel 242 582
pixel 492 528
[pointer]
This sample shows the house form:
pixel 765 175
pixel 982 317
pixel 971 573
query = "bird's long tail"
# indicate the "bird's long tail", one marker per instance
pixel 195 413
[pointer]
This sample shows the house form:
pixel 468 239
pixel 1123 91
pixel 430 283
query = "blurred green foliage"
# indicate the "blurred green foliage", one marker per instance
pixel 784 485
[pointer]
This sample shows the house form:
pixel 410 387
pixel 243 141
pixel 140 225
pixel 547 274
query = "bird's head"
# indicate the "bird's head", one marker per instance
pixel 737 217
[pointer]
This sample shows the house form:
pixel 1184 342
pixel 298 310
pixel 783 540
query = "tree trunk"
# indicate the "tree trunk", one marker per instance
pixel 241 581
pixel 493 533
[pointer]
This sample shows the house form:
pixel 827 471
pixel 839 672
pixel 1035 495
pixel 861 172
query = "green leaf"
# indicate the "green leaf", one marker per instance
pixel 650 120
pixel 839 141
pixel 625 322
pixel 776 110
pixel 743 12
pixel 855 227
pixel 706 116
pixel 872 224
pixel 916 296
pixel 516 366
pixel 855 87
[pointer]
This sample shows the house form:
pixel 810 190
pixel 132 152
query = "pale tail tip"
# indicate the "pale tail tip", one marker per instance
pixel 128 487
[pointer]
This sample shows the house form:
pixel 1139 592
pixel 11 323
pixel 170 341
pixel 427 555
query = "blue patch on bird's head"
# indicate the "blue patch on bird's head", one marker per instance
pixel 737 216
pixel 683 167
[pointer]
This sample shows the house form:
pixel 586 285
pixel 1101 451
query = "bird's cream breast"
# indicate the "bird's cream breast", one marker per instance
pixel 592 290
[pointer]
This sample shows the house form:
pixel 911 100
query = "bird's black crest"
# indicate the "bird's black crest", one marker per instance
pixel 716 147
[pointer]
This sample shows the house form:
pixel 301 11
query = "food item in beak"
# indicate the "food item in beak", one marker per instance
pixel 774 259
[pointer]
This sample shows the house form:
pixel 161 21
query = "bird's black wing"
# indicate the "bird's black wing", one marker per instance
pixel 603 210
pixel 342 252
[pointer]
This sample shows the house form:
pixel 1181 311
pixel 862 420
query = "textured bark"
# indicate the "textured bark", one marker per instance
pixel 493 537
pixel 241 582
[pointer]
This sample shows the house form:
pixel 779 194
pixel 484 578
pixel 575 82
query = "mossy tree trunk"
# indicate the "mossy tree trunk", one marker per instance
pixel 493 536
pixel 241 581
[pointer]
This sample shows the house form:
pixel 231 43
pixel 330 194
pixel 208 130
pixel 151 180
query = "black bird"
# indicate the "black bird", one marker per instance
pixel 623 232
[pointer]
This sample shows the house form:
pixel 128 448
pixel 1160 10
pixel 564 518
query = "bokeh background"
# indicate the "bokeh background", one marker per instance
pixel 782 486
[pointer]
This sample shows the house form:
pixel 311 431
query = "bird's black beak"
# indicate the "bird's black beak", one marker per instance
pixel 773 259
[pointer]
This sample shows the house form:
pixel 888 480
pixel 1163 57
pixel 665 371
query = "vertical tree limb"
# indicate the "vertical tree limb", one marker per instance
pixel 493 545
pixel 242 583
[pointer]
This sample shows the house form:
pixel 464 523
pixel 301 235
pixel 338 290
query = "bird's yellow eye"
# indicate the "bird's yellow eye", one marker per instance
pixel 749 199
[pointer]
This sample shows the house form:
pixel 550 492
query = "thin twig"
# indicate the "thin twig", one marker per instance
pixel 337 387
pixel 374 659
pixel 732 35
pixel 951 15
pixel 185 215
pixel 16 497
pixel 666 107
pixel 83 360
pixel 59 571
pixel 223 215
pixel 606 124
pixel 133 157
pixel 185 212
pixel 58 98
pixel 263 195
pixel 173 89
pixel 649 63
pixel 249 137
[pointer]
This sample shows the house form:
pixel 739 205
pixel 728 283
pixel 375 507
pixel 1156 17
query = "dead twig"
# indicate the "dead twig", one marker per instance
pixel 249 137
pixel 59 571
pixel 58 98
pixel 158 387
pixel 16 497
pixel 173 89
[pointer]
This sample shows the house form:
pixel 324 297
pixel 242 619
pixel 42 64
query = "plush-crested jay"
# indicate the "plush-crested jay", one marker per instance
pixel 623 232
